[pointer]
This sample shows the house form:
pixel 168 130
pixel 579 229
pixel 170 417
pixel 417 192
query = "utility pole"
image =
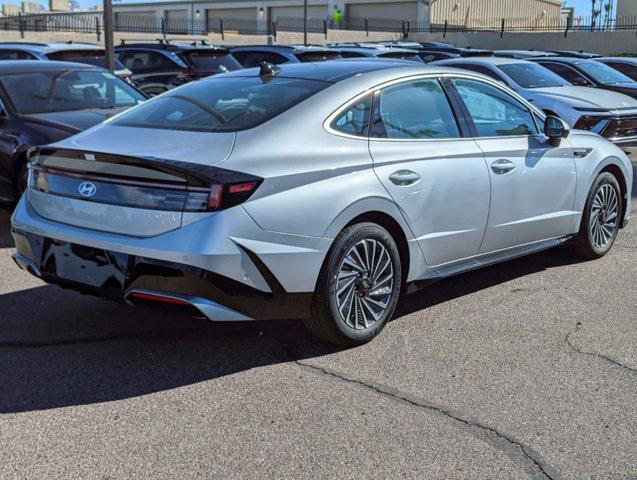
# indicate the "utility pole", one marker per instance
pixel 109 47
pixel 304 22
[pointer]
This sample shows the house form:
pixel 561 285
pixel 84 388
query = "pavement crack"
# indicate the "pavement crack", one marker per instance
pixel 606 358
pixel 489 434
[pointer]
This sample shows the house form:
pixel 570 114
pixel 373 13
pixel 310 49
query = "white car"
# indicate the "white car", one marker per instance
pixel 610 114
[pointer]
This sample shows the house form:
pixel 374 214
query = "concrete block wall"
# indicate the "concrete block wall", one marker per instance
pixel 605 43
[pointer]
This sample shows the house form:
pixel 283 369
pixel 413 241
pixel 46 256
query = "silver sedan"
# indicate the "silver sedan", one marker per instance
pixel 319 191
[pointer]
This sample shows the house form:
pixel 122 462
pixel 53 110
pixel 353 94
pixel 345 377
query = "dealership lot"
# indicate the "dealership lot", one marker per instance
pixel 522 370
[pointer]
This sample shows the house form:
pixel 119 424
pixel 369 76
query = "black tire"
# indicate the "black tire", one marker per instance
pixel 325 321
pixel 585 245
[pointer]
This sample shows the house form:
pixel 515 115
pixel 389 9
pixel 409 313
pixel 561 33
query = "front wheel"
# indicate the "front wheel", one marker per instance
pixel 601 218
pixel 358 287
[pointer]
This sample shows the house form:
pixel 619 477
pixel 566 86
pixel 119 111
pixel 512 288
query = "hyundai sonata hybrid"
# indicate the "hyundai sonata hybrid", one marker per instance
pixel 317 191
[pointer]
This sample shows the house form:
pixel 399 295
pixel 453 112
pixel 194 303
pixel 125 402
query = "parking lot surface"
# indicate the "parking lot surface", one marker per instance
pixel 521 370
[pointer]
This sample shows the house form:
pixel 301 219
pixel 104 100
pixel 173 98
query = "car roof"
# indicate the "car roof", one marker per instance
pixel 284 48
pixel 538 53
pixel 333 71
pixel 569 60
pixel 380 49
pixel 25 66
pixel 631 60
pixel 495 61
pixel 581 53
pixel 170 46
pixel 49 47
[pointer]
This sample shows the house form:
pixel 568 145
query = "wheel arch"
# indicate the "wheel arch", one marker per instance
pixel 395 230
pixel 385 213
pixel 617 172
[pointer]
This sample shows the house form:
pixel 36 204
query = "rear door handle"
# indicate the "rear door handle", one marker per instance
pixel 404 177
pixel 502 166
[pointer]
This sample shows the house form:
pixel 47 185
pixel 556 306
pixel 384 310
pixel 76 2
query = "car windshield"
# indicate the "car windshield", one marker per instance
pixel 221 104
pixel 90 57
pixel 603 73
pixel 66 90
pixel 531 75
pixel 212 60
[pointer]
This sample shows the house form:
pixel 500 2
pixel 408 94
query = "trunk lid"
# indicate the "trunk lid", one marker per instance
pixel 118 193
pixel 203 148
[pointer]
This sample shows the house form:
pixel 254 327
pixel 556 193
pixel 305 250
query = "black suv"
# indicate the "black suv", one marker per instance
pixel 160 66
pixel 253 55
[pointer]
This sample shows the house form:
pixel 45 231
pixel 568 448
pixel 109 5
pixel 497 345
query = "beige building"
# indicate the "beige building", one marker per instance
pixel 627 8
pixel 9 9
pixel 58 5
pixel 32 7
pixel 461 12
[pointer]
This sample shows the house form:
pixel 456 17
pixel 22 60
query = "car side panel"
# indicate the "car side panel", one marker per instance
pixel 447 207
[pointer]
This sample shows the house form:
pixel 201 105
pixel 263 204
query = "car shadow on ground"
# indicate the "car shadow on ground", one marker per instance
pixel 60 348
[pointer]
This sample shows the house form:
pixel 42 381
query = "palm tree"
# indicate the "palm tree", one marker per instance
pixel 608 10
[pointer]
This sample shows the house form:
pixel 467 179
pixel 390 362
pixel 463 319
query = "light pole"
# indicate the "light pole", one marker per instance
pixel 304 22
pixel 109 47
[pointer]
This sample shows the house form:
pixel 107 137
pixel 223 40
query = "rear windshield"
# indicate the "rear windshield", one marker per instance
pixel 90 57
pixel 532 75
pixel 221 104
pixel 212 60
pixel 318 56
pixel 67 90
pixel 414 57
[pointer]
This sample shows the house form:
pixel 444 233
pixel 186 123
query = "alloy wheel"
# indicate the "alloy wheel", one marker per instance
pixel 364 284
pixel 604 218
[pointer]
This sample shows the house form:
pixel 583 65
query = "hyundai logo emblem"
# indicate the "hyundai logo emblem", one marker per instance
pixel 87 189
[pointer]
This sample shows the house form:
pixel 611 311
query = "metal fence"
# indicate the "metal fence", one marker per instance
pixel 90 22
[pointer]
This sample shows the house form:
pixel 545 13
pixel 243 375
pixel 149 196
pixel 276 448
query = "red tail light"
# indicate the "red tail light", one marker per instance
pixel 229 195
pixel 159 298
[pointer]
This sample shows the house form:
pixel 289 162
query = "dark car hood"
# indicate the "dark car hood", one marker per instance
pixel 74 121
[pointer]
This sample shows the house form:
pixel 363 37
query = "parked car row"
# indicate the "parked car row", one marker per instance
pixel 586 91
pixel 319 191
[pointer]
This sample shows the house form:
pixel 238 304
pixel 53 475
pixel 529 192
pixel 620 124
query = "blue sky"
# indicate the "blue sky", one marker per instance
pixel 583 7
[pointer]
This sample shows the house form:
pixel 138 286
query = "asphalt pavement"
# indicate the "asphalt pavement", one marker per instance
pixel 521 370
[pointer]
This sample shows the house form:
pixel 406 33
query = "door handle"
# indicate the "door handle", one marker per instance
pixel 404 177
pixel 502 166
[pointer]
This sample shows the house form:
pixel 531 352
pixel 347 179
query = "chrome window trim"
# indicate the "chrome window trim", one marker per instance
pixel 533 110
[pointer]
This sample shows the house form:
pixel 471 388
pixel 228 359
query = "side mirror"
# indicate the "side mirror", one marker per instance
pixel 556 129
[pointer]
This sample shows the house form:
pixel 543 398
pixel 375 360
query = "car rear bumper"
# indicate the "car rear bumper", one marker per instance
pixel 223 265
pixel 149 282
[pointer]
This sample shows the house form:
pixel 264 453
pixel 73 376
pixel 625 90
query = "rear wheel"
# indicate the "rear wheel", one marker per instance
pixel 601 218
pixel 358 287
